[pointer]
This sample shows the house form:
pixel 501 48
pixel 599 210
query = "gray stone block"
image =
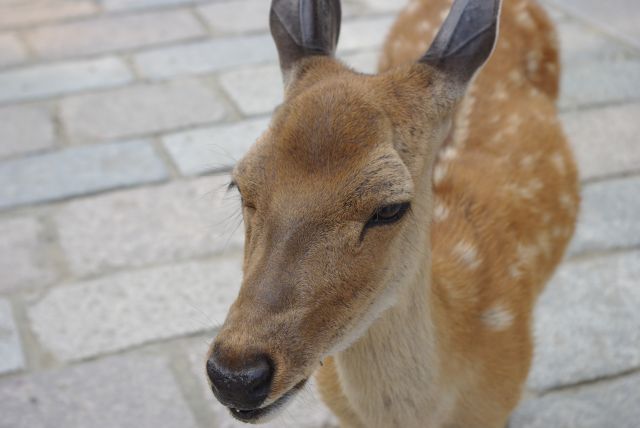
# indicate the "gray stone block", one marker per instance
pixel 140 110
pixel 128 309
pixel 587 322
pixel 255 90
pixel 24 257
pixel 237 17
pixel 24 130
pixel 605 141
pixel 366 33
pixel 154 225
pixel 213 149
pixel 581 43
pixel 123 392
pixel 608 216
pixel 113 33
pixel 11 357
pixel 605 404
pixel 78 171
pixel 599 82
pixel 205 57
pixel 62 78
pixel 11 50
pixel 24 13
pixel 121 5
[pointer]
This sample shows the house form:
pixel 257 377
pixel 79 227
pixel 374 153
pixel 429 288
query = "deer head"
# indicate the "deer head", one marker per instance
pixel 336 198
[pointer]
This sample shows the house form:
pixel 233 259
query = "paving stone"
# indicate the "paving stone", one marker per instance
pixel 127 309
pixel 24 130
pixel 579 42
pixel 587 324
pixel 619 17
pixel 140 110
pixel 113 33
pixel 37 11
pixel 123 392
pixel 11 357
pixel 23 255
pixel 11 50
pixel 117 5
pixel 364 62
pixel 236 17
pixel 305 411
pixel 78 171
pixel 605 141
pixel 255 90
pixel 613 403
pixel 384 5
pixel 62 78
pixel 154 225
pixel 205 57
pixel 599 82
pixel 608 216
pixel 365 33
pixel 213 149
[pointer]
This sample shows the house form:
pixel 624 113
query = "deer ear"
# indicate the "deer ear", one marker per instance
pixel 303 28
pixel 465 40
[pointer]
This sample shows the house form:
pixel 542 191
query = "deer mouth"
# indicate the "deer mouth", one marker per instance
pixel 261 413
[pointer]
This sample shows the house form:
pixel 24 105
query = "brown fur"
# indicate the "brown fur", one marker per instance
pixel 493 207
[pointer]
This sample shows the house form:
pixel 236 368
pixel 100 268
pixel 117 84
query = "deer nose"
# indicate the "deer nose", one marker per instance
pixel 244 387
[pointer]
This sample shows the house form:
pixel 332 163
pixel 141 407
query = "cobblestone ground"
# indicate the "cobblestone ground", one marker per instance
pixel 119 252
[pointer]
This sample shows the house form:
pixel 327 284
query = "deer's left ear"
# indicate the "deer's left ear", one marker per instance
pixel 465 40
pixel 302 28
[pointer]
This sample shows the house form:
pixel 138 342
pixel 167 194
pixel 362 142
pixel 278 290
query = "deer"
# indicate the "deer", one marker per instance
pixel 399 226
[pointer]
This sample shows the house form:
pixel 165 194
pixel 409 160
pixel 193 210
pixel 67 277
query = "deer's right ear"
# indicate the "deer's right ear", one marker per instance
pixel 465 40
pixel 302 28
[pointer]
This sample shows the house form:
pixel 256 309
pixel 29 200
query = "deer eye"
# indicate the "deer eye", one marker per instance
pixel 388 214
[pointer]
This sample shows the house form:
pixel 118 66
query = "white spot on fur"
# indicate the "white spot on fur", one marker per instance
pixel 523 17
pixel 567 202
pixel 467 253
pixel 463 119
pixel 516 76
pixel 443 15
pixel 497 318
pixel 527 161
pixel 440 211
pixel 500 92
pixel 439 173
pixel 533 62
pixel 449 153
pixel 558 162
pixel 424 27
pixel 413 7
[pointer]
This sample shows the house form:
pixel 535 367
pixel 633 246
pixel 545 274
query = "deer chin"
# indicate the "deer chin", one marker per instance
pixel 269 412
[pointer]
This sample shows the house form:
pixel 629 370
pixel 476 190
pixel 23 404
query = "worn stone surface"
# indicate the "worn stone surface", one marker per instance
pixel 213 149
pixel 619 17
pixel 140 110
pixel 24 130
pixel 240 16
pixel 613 403
pixel 123 392
pixel 608 216
pixel 21 13
pixel 205 57
pixel 384 5
pixel 24 260
pixel 62 78
pixel 11 357
pixel 581 43
pixel 119 5
pixel 11 50
pixel 306 410
pixel 113 33
pixel 154 225
pixel 599 82
pixel 364 62
pixel 364 33
pixel 132 308
pixel 255 90
pixel 605 140
pixel 78 171
pixel 587 322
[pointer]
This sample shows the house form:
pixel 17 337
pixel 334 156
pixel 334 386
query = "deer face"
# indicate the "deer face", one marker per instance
pixel 336 198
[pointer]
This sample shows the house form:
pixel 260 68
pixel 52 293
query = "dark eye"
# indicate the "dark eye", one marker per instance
pixel 388 214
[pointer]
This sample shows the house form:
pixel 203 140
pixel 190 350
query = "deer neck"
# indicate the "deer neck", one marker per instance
pixel 391 372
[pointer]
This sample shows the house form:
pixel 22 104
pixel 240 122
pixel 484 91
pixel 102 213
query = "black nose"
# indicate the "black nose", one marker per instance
pixel 244 387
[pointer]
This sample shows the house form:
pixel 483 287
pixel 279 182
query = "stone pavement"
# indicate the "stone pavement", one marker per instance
pixel 119 250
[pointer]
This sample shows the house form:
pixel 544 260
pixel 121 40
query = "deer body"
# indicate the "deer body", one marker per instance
pixel 421 313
